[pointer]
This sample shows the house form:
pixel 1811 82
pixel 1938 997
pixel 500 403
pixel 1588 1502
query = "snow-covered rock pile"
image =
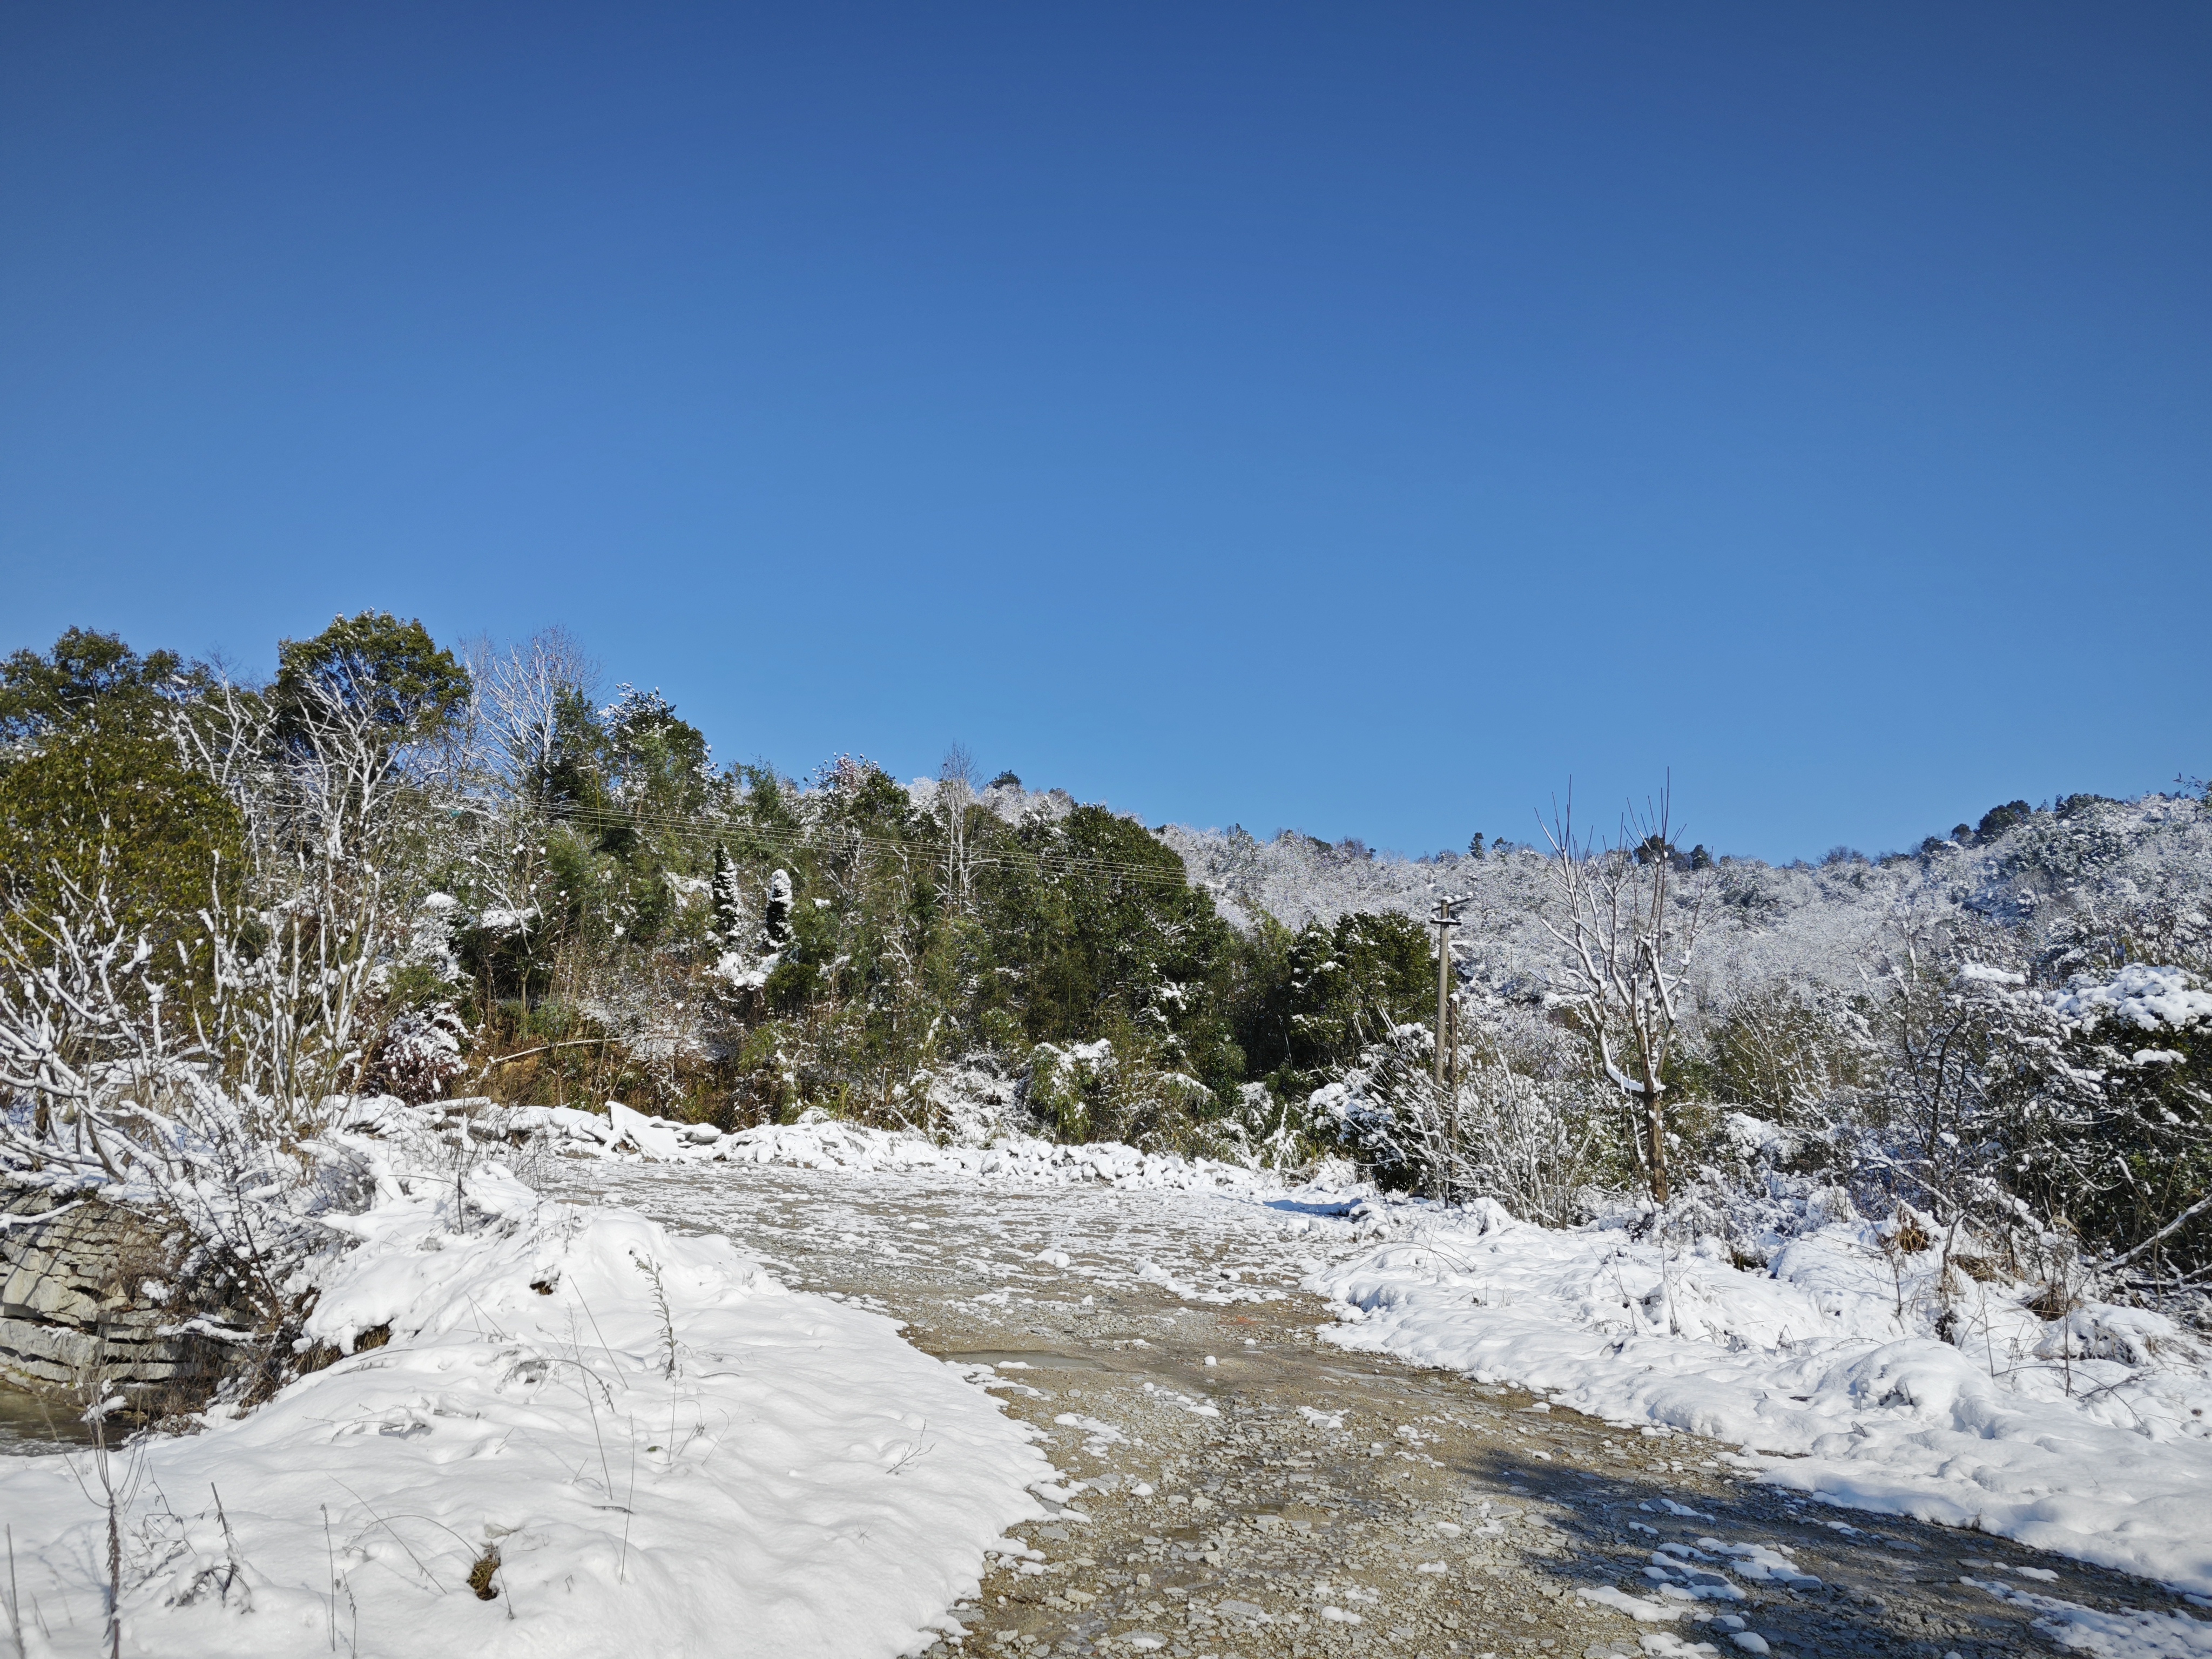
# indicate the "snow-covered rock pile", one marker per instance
pixel 2088 1433
pixel 634 1442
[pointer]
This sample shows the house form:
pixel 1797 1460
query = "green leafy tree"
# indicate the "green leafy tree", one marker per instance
pixel 388 677
pixel 86 676
pixel 100 803
pixel 1340 989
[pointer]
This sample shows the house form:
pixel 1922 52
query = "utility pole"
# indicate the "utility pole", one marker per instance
pixel 1447 1037
pixel 1446 1031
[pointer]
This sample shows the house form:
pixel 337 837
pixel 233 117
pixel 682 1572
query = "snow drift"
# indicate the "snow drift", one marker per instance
pixel 621 1440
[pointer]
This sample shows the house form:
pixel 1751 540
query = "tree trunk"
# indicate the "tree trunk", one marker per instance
pixel 1655 1120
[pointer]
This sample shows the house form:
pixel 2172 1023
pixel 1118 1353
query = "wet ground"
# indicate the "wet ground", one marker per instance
pixel 1248 1489
pixel 31 1425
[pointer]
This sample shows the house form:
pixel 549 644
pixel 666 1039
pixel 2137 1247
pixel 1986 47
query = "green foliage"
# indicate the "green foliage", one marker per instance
pixel 96 796
pixel 100 804
pixel 655 765
pixel 1337 990
pixel 2108 1131
pixel 1998 819
pixel 1091 917
pixel 85 675
pixel 390 673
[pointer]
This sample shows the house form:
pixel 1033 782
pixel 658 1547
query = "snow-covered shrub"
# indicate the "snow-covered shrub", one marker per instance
pixel 776 928
pixel 1089 1092
pixel 731 920
pixel 2105 1104
pixel 1066 1089
pixel 1536 1146
pixel 1262 1131
pixel 419 1055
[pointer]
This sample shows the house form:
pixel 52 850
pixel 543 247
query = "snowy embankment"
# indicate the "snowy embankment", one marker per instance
pixel 823 1143
pixel 2087 1437
pixel 637 1443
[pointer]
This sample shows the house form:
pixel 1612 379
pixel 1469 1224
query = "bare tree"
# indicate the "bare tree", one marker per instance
pixel 955 800
pixel 515 713
pixel 1626 925
pixel 81 1030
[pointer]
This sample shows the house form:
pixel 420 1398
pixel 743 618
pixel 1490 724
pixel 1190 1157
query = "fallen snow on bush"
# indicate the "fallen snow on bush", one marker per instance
pixel 664 1450
pixel 2088 1436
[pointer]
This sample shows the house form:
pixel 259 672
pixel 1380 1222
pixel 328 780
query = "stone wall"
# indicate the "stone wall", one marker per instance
pixel 89 1290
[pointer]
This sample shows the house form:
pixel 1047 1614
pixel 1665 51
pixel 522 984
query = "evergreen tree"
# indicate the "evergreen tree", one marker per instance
pixel 729 929
pixel 389 673
pixel 776 929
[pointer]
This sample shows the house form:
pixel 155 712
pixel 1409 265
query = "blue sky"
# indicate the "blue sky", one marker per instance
pixel 1358 419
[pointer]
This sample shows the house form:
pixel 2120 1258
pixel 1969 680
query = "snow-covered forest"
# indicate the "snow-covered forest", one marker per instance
pixel 423 870
pixel 272 948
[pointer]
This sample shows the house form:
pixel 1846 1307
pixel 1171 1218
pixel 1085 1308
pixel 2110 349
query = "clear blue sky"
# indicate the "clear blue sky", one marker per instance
pixel 1359 418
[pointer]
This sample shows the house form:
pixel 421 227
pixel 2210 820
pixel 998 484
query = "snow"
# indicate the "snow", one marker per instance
pixel 2088 1438
pixel 783 1465
pixel 2149 998
pixel 2127 1634
pixel 822 1143
pixel 1808 928
pixel 670 1452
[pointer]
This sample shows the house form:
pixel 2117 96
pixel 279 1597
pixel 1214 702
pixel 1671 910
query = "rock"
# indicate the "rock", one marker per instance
pixel 88 1299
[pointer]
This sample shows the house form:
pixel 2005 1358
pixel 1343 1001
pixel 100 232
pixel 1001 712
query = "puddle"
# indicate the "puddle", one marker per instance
pixel 1036 1359
pixel 30 1425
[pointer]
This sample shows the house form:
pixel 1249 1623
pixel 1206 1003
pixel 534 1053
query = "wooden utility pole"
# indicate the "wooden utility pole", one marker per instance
pixel 1447 1040
pixel 1447 1030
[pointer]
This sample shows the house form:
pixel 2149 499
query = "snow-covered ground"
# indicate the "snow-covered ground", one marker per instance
pixel 663 1450
pixel 670 1452
pixel 2090 1437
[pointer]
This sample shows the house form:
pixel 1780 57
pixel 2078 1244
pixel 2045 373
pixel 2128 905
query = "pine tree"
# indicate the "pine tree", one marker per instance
pixel 1475 847
pixel 729 904
pixel 775 922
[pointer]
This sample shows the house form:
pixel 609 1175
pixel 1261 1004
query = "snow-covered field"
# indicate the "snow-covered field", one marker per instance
pixel 663 1450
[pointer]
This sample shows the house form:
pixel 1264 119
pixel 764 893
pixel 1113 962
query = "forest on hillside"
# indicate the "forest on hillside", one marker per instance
pixel 436 870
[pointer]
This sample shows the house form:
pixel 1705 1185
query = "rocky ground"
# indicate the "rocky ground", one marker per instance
pixel 1248 1489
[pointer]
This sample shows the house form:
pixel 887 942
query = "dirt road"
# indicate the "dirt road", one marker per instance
pixel 1248 1489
